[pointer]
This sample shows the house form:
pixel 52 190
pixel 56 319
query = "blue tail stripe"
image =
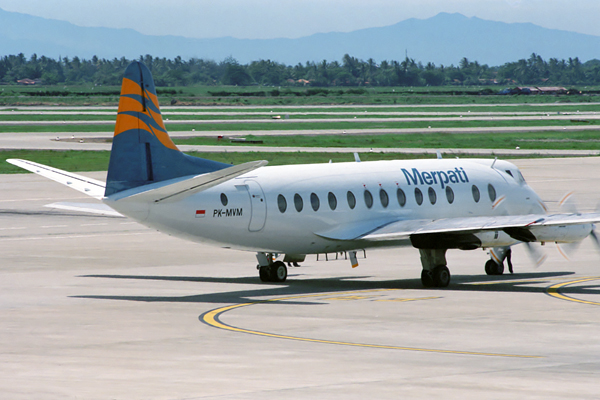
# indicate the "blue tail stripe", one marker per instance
pixel 146 119
pixel 138 98
pixel 138 156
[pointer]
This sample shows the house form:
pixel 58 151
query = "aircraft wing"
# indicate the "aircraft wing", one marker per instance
pixel 400 230
pixel 397 230
pixel 89 186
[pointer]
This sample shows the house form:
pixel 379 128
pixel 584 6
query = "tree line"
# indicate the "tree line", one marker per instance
pixel 350 71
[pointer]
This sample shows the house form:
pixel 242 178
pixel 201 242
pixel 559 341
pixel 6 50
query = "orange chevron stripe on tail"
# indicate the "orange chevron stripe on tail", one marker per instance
pixel 139 109
pixel 142 151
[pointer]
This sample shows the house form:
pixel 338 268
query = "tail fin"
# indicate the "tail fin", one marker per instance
pixel 142 151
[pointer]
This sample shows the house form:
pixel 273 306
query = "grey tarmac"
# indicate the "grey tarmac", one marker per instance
pixel 95 307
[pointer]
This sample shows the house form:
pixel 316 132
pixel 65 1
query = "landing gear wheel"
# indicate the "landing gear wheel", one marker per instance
pixel 441 276
pixel 493 268
pixel 278 272
pixel 426 278
pixel 265 273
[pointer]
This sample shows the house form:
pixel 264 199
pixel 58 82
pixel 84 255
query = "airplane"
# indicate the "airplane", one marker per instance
pixel 296 210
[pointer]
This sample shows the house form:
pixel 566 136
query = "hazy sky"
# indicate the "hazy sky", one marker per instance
pixel 297 18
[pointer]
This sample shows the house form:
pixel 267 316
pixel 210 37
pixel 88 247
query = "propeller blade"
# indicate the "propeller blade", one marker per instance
pixel 568 250
pixel 537 255
pixel 568 204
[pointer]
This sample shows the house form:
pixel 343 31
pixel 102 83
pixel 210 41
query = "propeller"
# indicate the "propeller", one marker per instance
pixel 568 204
pixel 537 255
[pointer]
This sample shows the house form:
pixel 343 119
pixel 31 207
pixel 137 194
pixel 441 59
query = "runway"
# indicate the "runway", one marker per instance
pixel 98 307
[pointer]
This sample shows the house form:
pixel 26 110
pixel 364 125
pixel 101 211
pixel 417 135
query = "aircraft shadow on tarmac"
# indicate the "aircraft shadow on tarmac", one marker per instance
pixel 516 283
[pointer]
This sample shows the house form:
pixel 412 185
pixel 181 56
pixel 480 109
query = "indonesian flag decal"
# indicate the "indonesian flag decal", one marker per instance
pixel 200 213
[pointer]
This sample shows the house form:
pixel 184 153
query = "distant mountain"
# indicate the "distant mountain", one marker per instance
pixel 443 39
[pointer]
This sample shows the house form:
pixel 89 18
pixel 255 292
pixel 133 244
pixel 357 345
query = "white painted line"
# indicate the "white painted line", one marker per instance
pixel 49 237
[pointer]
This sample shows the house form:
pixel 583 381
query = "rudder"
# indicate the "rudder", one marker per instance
pixel 142 151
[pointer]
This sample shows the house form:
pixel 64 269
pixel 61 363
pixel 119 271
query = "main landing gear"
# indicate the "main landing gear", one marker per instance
pixel 435 272
pixel 269 270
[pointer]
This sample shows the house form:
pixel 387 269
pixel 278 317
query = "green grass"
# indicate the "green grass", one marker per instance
pixel 67 160
pixel 588 140
pixel 291 125
pixel 82 161
pixel 200 95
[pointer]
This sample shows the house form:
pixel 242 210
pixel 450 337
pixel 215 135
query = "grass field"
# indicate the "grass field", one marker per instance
pixel 283 125
pixel 81 161
pixel 209 95
pixel 532 140
pixel 246 120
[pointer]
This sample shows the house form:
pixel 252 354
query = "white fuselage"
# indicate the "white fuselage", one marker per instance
pixel 261 210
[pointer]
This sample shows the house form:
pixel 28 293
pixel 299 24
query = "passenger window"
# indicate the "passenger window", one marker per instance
pixel 432 195
pixel 281 203
pixel 449 194
pixel 492 192
pixel 368 199
pixel 224 199
pixel 314 201
pixel 332 201
pixel 351 200
pixel 298 203
pixel 418 196
pixel 401 197
pixel 508 172
pixel 383 196
pixel 476 194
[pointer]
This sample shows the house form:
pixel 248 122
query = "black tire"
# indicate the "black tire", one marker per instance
pixel 441 276
pixel 265 273
pixel 427 278
pixel 490 267
pixel 278 272
pixel 499 269
pixel 493 268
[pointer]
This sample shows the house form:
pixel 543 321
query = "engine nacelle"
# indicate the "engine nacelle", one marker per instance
pixel 561 233
pixel 495 239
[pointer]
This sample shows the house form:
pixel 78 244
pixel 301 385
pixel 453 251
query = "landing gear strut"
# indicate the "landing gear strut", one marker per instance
pixel 269 270
pixel 495 265
pixel 435 273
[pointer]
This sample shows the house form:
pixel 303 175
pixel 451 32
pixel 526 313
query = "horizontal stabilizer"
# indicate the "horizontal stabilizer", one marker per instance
pixel 92 208
pixel 164 191
pixel 89 186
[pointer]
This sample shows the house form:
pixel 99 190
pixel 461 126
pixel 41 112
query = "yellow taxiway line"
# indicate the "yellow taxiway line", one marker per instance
pixel 212 318
pixel 554 291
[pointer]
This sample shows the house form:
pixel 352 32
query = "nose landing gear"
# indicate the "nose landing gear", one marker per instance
pixel 495 265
